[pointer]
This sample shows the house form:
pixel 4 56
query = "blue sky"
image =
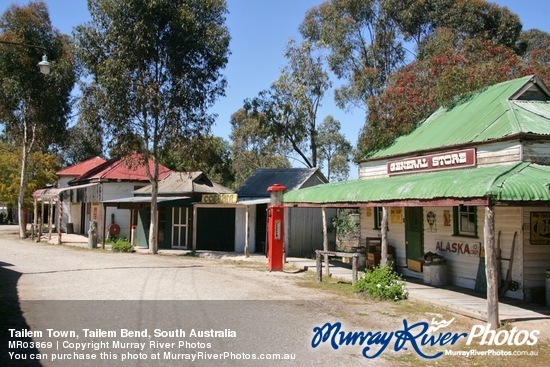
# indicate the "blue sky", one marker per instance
pixel 260 30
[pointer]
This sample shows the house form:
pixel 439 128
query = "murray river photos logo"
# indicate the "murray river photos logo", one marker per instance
pixel 417 337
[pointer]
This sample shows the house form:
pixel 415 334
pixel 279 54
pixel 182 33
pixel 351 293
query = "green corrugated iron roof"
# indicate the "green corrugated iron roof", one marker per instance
pixel 487 115
pixel 519 182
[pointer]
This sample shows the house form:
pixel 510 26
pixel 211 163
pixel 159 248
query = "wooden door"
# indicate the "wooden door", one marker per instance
pixel 414 233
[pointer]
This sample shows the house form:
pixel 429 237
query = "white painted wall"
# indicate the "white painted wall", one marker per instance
pixel 462 268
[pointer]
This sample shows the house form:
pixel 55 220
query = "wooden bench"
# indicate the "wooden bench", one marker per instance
pixel 319 254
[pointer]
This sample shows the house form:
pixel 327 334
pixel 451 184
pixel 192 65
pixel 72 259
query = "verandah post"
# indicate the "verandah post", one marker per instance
pixel 491 267
pixel 325 241
pixel 384 239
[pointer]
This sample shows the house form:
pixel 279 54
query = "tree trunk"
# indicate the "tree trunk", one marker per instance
pixel 153 244
pixel 21 199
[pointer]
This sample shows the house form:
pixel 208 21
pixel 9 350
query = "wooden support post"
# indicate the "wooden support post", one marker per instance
pixel 194 223
pixel 59 218
pixel 246 233
pixel 35 222
pixel 354 266
pixel 318 267
pixel 325 241
pixel 40 221
pixel 384 239
pixel 491 268
pixel 50 219
pixel 104 226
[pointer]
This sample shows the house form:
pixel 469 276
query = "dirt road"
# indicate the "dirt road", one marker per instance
pixel 80 307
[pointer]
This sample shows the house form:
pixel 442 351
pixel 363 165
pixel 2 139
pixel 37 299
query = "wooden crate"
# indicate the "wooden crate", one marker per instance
pixel 414 265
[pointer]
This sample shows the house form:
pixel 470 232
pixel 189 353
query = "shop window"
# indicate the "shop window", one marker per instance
pixel 377 217
pixel 465 220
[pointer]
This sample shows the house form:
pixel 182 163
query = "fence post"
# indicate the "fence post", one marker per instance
pixel 354 266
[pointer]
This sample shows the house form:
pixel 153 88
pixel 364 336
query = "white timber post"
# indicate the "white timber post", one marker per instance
pixel 384 239
pixel 491 268
pixel 325 240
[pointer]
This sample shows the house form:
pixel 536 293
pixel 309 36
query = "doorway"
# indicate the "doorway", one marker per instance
pixel 414 233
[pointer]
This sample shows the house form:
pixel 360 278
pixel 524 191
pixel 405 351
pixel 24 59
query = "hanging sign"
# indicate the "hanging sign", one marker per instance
pixel 540 228
pixel 433 162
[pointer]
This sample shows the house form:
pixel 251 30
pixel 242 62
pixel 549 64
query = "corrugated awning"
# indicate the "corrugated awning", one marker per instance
pixel 144 199
pixel 523 182
pixel 250 201
pixel 53 193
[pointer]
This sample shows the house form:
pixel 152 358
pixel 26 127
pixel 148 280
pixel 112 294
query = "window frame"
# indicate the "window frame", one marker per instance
pixel 458 214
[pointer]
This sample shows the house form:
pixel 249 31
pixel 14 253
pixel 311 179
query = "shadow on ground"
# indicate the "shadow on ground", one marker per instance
pixel 12 318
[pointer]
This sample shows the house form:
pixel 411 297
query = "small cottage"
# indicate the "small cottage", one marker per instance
pixel 81 189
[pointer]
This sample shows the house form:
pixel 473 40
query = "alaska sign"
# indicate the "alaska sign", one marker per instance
pixel 433 162
pixel 459 248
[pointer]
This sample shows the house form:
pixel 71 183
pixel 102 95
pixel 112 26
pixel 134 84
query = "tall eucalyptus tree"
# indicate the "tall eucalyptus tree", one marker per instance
pixel 154 70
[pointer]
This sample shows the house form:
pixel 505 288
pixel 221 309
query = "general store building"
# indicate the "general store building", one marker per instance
pixel 468 181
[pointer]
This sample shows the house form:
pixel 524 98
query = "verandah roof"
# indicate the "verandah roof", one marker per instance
pixel 522 182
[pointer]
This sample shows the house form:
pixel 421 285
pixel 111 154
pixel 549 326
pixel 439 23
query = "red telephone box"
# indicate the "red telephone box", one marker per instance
pixel 275 228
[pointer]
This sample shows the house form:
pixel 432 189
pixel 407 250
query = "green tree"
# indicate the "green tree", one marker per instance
pixel 155 69
pixel 535 49
pixel 83 142
pixel 335 150
pixel 253 147
pixel 418 20
pixel 450 70
pixel 41 172
pixel 33 107
pixel 289 108
pixel 363 43
pixel 209 154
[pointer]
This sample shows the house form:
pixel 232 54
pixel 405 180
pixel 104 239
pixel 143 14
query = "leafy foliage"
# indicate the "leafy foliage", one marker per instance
pixel 208 154
pixel 155 70
pixel 458 46
pixel 382 283
pixel 34 108
pixel 344 223
pixel 364 48
pixel 334 150
pixel 121 245
pixel 289 108
pixel 41 172
pixel 450 70
pixel 83 142
pixel 253 147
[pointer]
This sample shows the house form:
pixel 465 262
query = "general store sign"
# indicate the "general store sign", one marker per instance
pixel 433 162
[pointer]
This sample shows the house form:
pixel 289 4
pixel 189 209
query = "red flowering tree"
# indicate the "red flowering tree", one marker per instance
pixel 450 69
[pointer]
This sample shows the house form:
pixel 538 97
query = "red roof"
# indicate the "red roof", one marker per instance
pixel 129 168
pixel 82 167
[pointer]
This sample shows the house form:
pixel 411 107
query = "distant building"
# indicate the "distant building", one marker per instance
pixel 82 187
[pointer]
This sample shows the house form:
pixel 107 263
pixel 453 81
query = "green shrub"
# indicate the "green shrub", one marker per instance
pixel 121 245
pixel 382 283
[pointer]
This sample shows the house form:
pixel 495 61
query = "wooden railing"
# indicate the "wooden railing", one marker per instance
pixel 319 255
